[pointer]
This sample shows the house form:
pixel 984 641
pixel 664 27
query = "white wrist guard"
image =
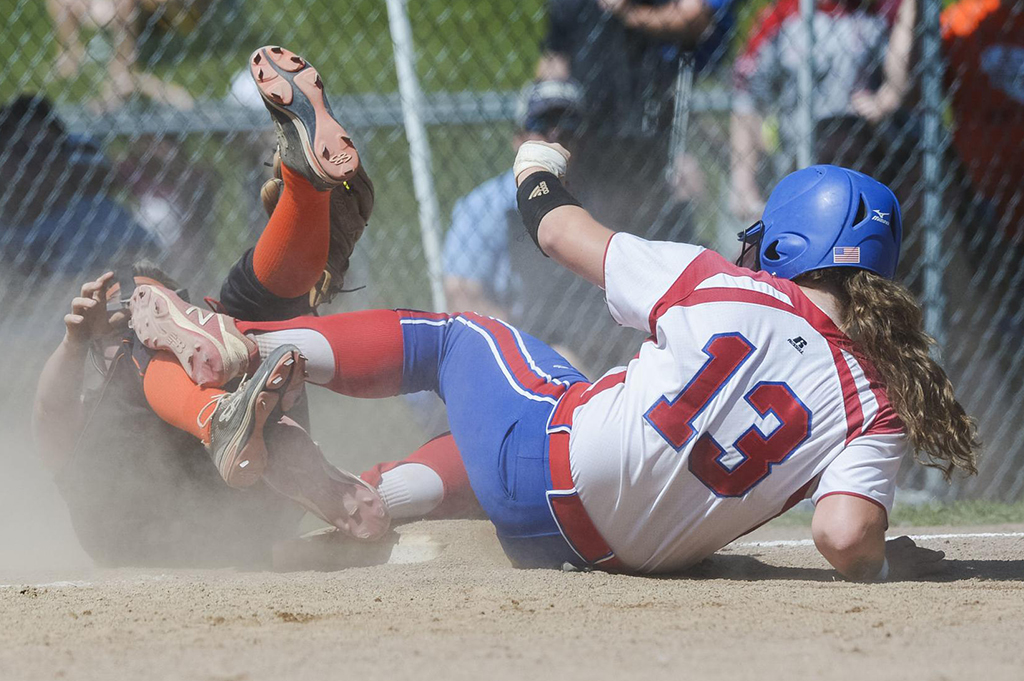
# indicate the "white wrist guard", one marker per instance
pixel 540 155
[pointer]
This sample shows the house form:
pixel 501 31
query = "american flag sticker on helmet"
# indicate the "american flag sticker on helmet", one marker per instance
pixel 846 255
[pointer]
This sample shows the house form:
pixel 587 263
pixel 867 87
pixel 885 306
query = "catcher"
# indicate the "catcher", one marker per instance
pixel 143 492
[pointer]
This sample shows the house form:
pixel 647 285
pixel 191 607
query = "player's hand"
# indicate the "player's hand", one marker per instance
pixel 89 318
pixel 535 157
pixel 907 560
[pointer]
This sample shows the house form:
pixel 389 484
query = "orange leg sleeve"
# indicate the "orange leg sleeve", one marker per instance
pixel 292 252
pixel 176 399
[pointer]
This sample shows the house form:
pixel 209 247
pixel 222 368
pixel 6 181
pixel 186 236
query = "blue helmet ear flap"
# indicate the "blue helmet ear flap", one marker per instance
pixel 784 248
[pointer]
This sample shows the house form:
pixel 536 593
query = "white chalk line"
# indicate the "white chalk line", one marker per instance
pixel 915 537
pixel 84 585
pixel 47 585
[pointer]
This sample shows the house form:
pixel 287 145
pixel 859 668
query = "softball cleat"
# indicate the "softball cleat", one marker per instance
pixel 298 469
pixel 236 423
pixel 311 140
pixel 208 345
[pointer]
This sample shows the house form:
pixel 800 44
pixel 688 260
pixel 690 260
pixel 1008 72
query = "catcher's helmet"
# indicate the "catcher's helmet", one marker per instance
pixel 827 216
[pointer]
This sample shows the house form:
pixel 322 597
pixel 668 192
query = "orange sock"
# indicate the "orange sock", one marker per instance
pixel 176 399
pixel 292 251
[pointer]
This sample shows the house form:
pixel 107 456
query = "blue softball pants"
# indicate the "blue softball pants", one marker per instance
pixel 500 387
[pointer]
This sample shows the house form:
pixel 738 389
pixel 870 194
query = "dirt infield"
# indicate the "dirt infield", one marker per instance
pixel 763 609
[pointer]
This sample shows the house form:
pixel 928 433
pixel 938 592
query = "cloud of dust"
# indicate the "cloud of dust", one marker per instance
pixel 137 510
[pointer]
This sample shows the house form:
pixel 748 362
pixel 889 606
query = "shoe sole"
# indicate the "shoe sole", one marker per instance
pixel 161 321
pixel 299 471
pixel 244 459
pixel 367 518
pixel 359 509
pixel 294 92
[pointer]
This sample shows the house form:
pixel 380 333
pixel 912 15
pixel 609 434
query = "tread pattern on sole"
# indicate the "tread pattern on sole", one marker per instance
pixel 154 328
pixel 281 388
pixel 327 147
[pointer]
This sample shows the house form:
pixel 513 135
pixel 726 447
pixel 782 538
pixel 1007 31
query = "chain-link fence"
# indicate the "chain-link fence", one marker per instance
pixel 131 128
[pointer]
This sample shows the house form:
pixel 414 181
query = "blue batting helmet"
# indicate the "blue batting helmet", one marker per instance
pixel 827 216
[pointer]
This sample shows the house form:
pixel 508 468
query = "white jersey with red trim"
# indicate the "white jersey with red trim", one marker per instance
pixel 745 399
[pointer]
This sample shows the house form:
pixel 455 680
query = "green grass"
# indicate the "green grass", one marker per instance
pixel 461 45
pixel 967 512
pixel 957 513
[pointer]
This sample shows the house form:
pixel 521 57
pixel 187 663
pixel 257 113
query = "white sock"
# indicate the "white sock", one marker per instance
pixel 411 490
pixel 312 344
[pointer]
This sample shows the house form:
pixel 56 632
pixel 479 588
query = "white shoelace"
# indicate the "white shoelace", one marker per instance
pixel 215 401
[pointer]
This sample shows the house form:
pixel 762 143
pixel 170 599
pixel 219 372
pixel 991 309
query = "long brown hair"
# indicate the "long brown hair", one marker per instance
pixel 886 323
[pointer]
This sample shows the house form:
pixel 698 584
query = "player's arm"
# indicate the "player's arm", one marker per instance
pixel 57 413
pixel 566 233
pixel 577 241
pixel 850 533
pixel 635 274
pixel 852 501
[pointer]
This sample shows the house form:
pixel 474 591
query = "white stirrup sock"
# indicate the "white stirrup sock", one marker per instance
pixel 411 490
pixel 312 344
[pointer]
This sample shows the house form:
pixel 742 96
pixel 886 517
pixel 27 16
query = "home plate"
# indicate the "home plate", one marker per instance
pixel 328 549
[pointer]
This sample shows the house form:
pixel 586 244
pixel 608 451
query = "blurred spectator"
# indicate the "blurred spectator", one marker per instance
pixel 58 212
pixel 488 265
pixel 628 56
pixel 677 221
pixel 175 195
pixel 120 21
pixel 856 116
pixel 984 42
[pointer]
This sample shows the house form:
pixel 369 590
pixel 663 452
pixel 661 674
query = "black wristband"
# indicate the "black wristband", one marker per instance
pixel 538 195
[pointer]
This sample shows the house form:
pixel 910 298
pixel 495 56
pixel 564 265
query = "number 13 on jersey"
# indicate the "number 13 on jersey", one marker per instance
pixel 673 420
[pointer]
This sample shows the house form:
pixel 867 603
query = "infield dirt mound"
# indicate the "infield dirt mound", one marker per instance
pixel 752 612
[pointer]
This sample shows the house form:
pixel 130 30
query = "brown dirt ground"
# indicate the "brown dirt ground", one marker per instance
pixel 751 612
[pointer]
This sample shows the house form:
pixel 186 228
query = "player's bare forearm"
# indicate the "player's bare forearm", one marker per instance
pixel 562 229
pixel 57 412
pixel 575 240
pixel 57 417
pixel 849 532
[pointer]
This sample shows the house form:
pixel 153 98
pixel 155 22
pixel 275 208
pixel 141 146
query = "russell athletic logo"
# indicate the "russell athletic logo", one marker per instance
pixel 799 343
pixel 540 190
pixel 879 216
